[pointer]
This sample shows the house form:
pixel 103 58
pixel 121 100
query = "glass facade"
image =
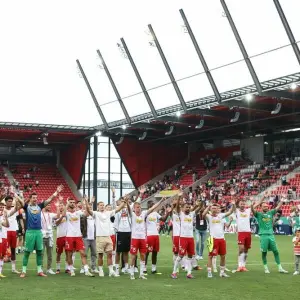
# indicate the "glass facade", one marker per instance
pixel 104 169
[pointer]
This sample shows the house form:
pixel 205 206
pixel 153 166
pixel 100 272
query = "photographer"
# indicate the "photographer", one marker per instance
pixel 277 222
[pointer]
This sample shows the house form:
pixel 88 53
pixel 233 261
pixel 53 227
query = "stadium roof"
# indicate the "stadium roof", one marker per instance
pixel 42 84
pixel 33 133
pixel 260 107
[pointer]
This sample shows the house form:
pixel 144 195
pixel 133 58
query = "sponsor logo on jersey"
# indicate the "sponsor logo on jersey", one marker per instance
pixel 139 220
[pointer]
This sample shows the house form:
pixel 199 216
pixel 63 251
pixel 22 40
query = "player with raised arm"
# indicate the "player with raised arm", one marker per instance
pixel 4 224
pixel 267 238
pixel 103 240
pixel 176 208
pixel 186 241
pixel 152 220
pixel 34 236
pixel 243 215
pixel 138 237
pixel 217 238
pixel 12 231
pixel 61 232
pixel 74 240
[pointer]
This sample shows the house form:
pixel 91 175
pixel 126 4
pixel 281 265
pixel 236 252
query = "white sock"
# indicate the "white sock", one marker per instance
pixel 126 266
pixel 214 262
pixel 1 265
pixel 86 268
pixel 71 268
pixel 110 268
pixel 117 268
pixel 153 268
pixel 67 267
pixel 13 265
pixel 189 266
pixel 240 260
pixel 100 268
pixel 73 258
pixel 194 262
pixel 183 262
pixel 176 263
pixel 222 269
pixel 131 270
pixel 142 267
pixel 57 266
pixel 208 270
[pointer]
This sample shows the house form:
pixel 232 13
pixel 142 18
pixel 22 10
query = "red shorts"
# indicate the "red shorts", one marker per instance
pixel 153 243
pixel 175 244
pixel 60 244
pixel 3 247
pixel 138 245
pixel 244 238
pixel 74 244
pixel 12 239
pixel 113 239
pixel 219 247
pixel 186 246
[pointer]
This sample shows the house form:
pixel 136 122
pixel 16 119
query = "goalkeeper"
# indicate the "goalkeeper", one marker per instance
pixel 267 238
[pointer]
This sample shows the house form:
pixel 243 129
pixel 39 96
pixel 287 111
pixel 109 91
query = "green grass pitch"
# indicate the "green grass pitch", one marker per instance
pixel 252 285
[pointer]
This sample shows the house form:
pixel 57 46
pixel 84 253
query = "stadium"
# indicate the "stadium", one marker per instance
pixel 185 119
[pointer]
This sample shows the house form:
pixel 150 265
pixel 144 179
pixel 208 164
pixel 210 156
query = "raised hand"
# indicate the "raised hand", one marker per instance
pixel 113 189
pixel 60 198
pixel 60 188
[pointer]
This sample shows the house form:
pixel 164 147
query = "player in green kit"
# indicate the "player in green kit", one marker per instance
pixel 34 236
pixel 267 239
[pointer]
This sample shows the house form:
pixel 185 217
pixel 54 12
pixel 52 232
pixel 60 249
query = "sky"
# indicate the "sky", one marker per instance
pixel 41 40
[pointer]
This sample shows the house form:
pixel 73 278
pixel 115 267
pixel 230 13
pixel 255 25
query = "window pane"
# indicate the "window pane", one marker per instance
pixel 115 177
pixel 164 96
pixel 112 111
pixel 115 165
pixel 266 32
pixel 92 148
pixel 103 150
pixel 195 87
pixel 102 176
pixel 136 105
pixel 102 164
pixel 276 64
pixel 126 178
pixel 102 194
pixel 232 77
pixel 113 151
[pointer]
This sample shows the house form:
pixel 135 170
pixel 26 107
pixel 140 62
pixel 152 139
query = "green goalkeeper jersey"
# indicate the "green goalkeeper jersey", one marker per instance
pixel 265 221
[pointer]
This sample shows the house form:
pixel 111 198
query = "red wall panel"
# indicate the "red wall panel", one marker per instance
pixel 223 153
pixel 73 160
pixel 144 160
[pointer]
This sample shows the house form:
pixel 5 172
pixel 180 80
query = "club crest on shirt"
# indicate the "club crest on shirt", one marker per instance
pixel 243 215
pixel 34 211
pixel 216 221
pixel 188 219
pixel 139 220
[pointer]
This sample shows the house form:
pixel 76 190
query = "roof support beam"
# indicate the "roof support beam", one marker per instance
pixel 139 78
pixel 168 69
pixel 201 57
pixel 114 88
pixel 242 48
pixel 288 30
pixel 92 95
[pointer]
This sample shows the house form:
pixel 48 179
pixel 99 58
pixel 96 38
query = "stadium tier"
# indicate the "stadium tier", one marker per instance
pixel 41 179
